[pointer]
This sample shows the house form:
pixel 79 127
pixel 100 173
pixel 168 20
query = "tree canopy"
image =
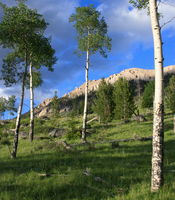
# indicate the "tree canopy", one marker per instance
pixel 91 29
pixel 7 105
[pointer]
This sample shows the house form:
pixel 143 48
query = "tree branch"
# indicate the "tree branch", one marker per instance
pixel 169 21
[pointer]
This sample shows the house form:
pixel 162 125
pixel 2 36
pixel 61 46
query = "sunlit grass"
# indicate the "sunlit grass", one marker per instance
pixel 45 171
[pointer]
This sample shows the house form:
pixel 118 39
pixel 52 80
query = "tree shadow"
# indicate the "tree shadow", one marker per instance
pixel 112 172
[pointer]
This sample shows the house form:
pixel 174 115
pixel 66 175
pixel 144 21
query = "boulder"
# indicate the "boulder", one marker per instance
pixel 139 118
pixel 23 135
pixel 45 118
pixel 44 112
pixel 2 123
pixel 57 132
pixel 9 131
pixel 24 125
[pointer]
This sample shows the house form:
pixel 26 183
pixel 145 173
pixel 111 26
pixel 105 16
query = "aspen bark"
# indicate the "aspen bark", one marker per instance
pixel 83 137
pixel 31 131
pixel 174 123
pixel 18 119
pixel 158 123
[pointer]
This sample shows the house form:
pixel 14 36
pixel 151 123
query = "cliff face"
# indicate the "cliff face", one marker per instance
pixel 130 74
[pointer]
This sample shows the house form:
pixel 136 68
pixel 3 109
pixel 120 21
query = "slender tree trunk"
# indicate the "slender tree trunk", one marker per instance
pixel 83 137
pixel 158 123
pixel 31 131
pixel 18 119
pixel 139 90
pixel 174 122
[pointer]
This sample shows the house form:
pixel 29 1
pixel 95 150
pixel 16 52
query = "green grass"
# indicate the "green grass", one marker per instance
pixel 125 170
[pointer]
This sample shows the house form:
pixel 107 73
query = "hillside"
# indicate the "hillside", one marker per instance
pixel 45 170
pixel 114 164
pixel 135 74
pixel 129 74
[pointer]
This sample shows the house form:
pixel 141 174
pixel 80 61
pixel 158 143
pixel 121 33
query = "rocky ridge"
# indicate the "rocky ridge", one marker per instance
pixel 130 74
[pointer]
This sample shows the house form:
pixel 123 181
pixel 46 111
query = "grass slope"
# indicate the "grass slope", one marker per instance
pixel 121 173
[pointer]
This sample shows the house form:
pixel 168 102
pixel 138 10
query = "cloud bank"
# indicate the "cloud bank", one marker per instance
pixel 127 28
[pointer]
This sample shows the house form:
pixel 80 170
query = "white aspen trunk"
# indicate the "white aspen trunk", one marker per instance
pixel 31 131
pixel 174 123
pixel 158 123
pixel 18 119
pixel 139 90
pixel 83 137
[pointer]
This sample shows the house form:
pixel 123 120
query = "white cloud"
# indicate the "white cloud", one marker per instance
pixel 167 12
pixel 126 27
pixel 8 91
pixel 130 25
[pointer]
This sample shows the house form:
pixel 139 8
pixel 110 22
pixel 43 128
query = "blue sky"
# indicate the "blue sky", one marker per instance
pixel 132 44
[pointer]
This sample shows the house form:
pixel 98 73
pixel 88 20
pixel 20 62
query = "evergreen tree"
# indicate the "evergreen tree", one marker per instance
pixel 103 103
pixel 123 99
pixel 92 37
pixel 170 94
pixel 170 97
pixel 77 105
pixel 148 95
pixel 55 105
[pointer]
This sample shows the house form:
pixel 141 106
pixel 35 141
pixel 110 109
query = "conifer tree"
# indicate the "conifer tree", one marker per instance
pixel 123 99
pixel 148 95
pixel 170 97
pixel 92 38
pixel 103 103
pixel 55 105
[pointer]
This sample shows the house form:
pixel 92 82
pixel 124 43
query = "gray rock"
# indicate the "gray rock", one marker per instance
pixel 44 118
pixel 2 123
pixel 9 131
pixel 139 118
pixel 24 125
pixel 57 132
pixel 23 135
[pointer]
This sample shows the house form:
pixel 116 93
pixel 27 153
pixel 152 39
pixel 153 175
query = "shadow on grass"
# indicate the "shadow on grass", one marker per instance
pixel 119 169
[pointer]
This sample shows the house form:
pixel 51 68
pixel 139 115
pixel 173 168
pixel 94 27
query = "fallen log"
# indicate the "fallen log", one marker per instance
pixel 117 140
pixel 45 175
pixel 91 120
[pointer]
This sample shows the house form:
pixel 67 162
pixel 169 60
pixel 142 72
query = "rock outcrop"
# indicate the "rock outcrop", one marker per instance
pixel 136 74
pixel 129 74
pixel 43 109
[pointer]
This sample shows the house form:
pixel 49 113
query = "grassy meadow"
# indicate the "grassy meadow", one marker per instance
pixel 44 170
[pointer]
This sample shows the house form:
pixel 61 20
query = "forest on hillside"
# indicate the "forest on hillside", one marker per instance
pixel 116 142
